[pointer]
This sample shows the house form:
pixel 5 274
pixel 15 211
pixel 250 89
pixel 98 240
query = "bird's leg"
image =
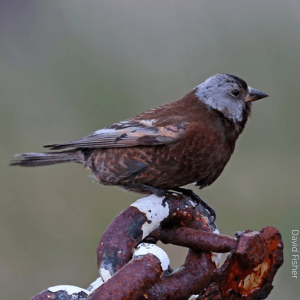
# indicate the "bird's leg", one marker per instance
pixel 144 189
pixel 195 197
pixel 150 239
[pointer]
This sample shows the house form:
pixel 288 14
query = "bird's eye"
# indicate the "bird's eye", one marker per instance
pixel 235 92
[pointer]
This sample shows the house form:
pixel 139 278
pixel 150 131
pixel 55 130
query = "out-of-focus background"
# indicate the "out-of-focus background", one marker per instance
pixel 71 67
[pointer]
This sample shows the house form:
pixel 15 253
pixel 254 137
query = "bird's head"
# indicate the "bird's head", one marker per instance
pixel 228 94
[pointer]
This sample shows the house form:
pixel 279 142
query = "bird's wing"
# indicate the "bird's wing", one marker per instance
pixel 129 133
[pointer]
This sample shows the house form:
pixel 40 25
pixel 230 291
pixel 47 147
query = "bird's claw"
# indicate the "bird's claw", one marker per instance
pixel 196 198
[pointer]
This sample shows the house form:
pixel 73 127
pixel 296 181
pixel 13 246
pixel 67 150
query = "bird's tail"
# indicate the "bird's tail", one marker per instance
pixel 45 159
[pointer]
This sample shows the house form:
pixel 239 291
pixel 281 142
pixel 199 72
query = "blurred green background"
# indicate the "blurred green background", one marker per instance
pixel 71 67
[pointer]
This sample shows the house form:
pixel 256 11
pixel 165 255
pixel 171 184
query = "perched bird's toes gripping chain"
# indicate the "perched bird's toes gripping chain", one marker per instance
pixel 160 193
pixel 196 198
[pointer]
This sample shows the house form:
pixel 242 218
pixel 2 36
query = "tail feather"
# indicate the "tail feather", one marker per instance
pixel 44 159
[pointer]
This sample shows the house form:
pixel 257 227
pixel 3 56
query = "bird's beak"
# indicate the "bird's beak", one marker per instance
pixel 254 94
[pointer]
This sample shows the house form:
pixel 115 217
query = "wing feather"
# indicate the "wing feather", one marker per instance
pixel 129 133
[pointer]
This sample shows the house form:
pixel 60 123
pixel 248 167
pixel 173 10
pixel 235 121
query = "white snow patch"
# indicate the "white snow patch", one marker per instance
pixel 216 231
pixel 155 211
pixel 70 289
pixel 145 248
pixel 105 274
pixel 94 285
pixel 216 258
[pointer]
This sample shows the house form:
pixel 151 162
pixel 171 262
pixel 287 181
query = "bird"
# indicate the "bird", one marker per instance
pixel 186 141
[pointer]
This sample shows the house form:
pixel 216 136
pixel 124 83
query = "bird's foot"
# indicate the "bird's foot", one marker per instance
pixel 150 239
pixel 196 198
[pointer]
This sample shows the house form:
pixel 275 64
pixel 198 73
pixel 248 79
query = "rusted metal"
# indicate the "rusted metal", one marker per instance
pixel 196 239
pixel 62 292
pixel 189 279
pixel 129 228
pixel 239 278
pixel 134 279
pixel 247 273
pixel 182 211
pixel 119 240
pixel 44 295
pixel 252 249
pixel 188 225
